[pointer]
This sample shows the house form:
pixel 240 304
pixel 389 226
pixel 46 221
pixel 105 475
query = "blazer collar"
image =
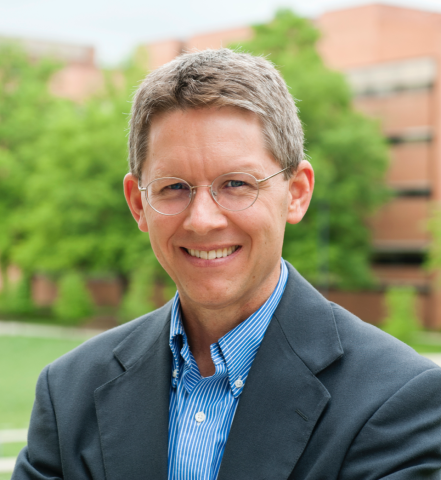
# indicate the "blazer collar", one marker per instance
pixel 144 337
pixel 308 322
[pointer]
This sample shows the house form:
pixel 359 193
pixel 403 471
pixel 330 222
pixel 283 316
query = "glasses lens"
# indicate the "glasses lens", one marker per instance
pixel 235 191
pixel 168 196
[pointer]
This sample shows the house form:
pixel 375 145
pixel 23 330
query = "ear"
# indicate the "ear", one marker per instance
pixel 301 186
pixel 134 200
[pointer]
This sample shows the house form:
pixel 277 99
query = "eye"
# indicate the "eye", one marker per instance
pixel 235 183
pixel 177 186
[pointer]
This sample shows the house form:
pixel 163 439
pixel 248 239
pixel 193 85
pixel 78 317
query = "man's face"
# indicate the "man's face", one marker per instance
pixel 198 146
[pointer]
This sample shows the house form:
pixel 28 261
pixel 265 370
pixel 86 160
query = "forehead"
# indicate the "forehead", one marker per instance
pixel 207 142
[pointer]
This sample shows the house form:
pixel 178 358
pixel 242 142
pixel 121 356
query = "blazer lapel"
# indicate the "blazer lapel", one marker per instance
pixel 282 399
pixel 132 409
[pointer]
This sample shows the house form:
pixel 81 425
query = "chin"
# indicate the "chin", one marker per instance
pixel 215 297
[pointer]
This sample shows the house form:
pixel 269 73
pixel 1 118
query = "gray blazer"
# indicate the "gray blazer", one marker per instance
pixel 328 397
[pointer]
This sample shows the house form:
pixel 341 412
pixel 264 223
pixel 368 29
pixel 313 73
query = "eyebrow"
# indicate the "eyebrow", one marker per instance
pixel 249 170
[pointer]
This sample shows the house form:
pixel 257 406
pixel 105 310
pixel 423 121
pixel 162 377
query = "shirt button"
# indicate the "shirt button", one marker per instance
pixel 238 383
pixel 175 373
pixel 200 417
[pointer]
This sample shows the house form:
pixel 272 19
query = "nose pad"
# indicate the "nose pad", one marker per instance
pixel 205 215
pixel 193 192
pixel 210 192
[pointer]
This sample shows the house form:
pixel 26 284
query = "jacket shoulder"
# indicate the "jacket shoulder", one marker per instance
pixel 104 356
pixel 366 344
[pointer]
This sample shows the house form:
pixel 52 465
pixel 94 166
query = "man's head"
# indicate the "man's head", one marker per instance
pixel 219 78
pixel 198 118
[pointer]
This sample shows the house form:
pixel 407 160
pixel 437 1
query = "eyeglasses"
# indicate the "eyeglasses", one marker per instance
pixel 233 191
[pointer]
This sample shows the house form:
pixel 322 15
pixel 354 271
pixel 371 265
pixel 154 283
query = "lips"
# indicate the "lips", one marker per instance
pixel 212 254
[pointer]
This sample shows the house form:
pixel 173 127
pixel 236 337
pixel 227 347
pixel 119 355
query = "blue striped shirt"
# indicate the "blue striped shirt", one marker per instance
pixel 202 408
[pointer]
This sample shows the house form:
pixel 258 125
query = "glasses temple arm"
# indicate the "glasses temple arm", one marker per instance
pixel 273 175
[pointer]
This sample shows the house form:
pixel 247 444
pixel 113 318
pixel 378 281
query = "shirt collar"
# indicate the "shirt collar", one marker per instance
pixel 238 347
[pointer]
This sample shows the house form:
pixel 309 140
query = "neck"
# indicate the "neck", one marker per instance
pixel 206 325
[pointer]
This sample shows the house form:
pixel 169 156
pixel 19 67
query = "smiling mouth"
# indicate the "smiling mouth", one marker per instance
pixel 212 254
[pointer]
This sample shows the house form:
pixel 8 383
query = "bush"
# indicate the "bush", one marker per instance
pixel 138 299
pixel 401 320
pixel 15 299
pixel 74 302
pixel 149 288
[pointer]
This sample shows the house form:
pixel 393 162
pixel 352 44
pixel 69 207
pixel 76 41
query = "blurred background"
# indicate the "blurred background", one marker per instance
pixel 367 80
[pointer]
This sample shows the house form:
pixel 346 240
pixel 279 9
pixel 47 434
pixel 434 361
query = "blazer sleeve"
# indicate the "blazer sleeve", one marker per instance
pixel 41 459
pixel 402 439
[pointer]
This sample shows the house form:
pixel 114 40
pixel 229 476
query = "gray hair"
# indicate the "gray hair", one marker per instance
pixel 219 78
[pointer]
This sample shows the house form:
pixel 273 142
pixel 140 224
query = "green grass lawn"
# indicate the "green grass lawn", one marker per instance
pixel 426 348
pixel 5 476
pixel 11 449
pixel 21 361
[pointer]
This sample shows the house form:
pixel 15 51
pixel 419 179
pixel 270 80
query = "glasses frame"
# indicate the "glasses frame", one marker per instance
pixel 213 194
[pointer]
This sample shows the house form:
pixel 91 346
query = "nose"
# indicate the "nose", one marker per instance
pixel 204 214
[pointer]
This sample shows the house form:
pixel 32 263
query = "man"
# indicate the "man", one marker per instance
pixel 249 373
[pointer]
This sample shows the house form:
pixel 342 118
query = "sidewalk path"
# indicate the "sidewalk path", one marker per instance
pixel 21 329
pixel 13 436
pixel 435 357
pixel 7 465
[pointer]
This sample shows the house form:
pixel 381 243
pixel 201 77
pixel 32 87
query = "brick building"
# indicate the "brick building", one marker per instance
pixel 79 75
pixel 390 56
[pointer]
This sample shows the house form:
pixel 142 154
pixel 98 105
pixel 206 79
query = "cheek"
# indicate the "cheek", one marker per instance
pixel 262 227
pixel 160 230
pixel 270 224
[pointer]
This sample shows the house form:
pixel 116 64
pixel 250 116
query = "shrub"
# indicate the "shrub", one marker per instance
pixel 74 302
pixel 401 320
pixel 15 299
pixel 138 299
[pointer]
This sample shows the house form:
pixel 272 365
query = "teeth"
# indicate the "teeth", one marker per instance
pixel 212 254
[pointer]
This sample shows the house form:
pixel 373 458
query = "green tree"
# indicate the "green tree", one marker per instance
pixel 347 151
pixel 25 105
pixel 75 214
pixel 67 205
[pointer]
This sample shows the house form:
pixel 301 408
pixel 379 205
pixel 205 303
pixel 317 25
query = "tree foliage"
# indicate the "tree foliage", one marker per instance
pixel 347 151
pixel 62 165
pixel 25 105
pixel 73 214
